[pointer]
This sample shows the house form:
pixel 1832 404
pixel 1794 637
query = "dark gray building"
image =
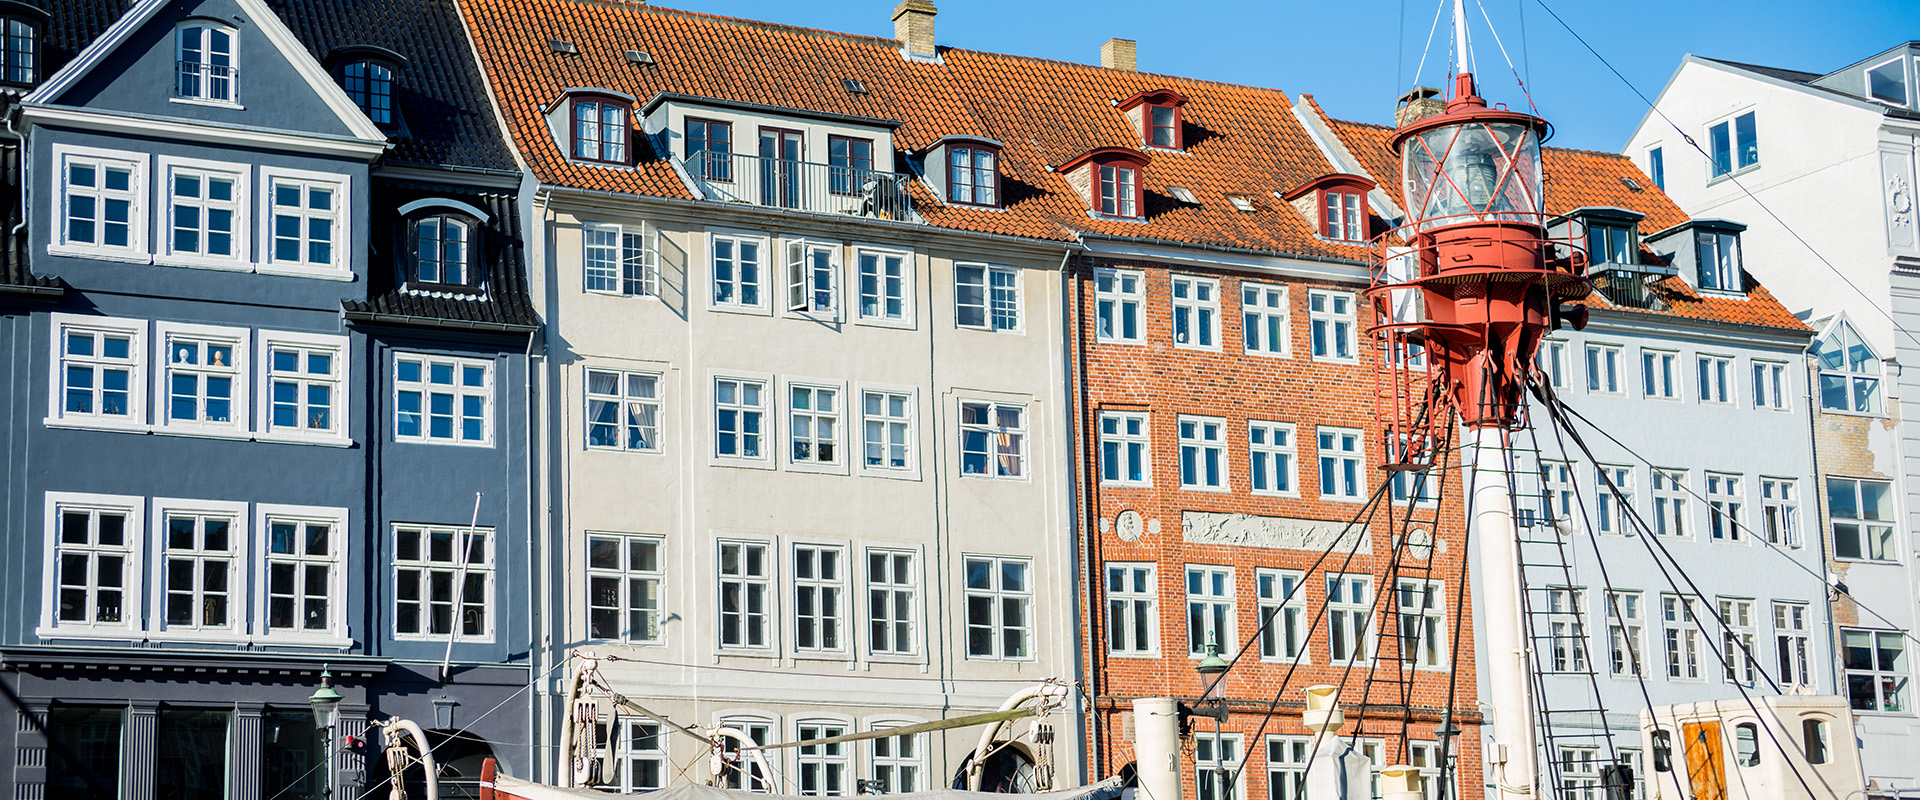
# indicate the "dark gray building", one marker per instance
pixel 263 315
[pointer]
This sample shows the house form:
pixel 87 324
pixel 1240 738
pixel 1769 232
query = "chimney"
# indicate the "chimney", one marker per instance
pixel 1422 102
pixel 913 26
pixel 1118 54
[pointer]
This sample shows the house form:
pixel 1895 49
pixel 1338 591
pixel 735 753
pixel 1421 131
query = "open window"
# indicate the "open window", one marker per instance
pixel 1887 82
pixel 1158 116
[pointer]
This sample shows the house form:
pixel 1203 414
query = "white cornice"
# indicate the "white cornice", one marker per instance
pixel 185 130
pixel 1225 259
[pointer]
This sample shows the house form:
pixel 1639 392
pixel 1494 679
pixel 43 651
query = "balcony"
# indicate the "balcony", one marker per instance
pixel 800 186
pixel 1630 288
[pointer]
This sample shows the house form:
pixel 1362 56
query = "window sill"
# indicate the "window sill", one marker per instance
pixel 127 256
pixel 1140 654
pixel 201 101
pixel 103 632
pixel 902 474
pixel 625 642
pixel 810 468
pixel 193 433
pixel 1127 484
pixel 397 439
pixel 824 656
pixel 295 438
pixel 906 324
pixel 1209 489
pixel 735 308
pixel 1004 659
pixel 1266 353
pixel 1020 331
pixel 612 293
pixel 1846 413
pixel 741 463
pixel 907 659
pixel 1884 562
pixel 1719 179
pixel 642 451
pixel 441 638
pixel 968 476
pixel 1264 493
pixel 1197 347
pixel 191 262
pixel 200 432
pixel 1329 498
pixel 1104 340
pixel 83 424
pixel 1335 360
pixel 318 273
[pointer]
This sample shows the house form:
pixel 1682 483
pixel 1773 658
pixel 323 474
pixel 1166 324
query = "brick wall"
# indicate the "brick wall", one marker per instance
pixel 1166 381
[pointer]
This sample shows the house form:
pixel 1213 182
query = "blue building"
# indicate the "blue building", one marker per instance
pixel 264 320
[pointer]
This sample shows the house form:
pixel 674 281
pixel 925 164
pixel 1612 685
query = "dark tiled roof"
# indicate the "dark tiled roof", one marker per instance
pixel 440 95
pixel 1807 79
pixel 505 305
pixel 1240 140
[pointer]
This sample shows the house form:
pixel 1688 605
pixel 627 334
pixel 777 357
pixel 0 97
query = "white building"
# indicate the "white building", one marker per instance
pixel 1821 167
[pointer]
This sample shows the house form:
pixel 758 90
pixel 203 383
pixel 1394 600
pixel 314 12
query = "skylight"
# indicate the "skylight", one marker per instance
pixel 563 47
pixel 1240 202
pixel 1183 194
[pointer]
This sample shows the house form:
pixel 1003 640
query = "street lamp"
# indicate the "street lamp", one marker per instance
pixel 1213 673
pixel 323 701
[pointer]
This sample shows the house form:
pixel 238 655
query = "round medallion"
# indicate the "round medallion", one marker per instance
pixel 1899 200
pixel 1128 525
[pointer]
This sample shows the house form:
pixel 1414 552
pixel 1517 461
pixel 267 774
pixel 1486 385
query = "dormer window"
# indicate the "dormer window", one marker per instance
pixel 441 249
pixel 1719 254
pixel 1343 216
pixel 1849 371
pixel 600 130
pixel 1119 190
pixel 1887 82
pixel 973 177
pixel 1157 116
pixel 1611 244
pixel 370 85
pixel 1110 178
pixel 205 63
pixel 21 44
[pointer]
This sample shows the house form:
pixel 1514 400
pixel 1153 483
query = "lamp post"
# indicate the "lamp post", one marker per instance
pixel 1213 673
pixel 323 701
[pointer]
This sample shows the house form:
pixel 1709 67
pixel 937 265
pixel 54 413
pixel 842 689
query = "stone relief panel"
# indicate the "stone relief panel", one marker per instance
pixel 1286 533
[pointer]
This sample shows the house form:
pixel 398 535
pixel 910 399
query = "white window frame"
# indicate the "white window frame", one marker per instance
pixel 239 205
pixel 999 291
pixel 1726 507
pixel 338 537
pixel 1872 531
pixel 239 569
pixel 1210 601
pixel 1793 643
pixel 626 757
pixel 1737 640
pixel 1204 769
pixel 1566 614
pixel 1838 340
pixel 460 566
pixel 1551 359
pixel 839 586
pixel 1780 512
pixel 625 271
pixel 892 760
pixel 1733 145
pixel 1208 445
pixel 1285 638
pixel 769 582
pixel 1680 637
pixel 910 423
pixel 136 196
pixel 740 768
pixel 205 96
pixel 1716 379
pixel 240 380
pixel 1880 674
pixel 1000 595
pixel 1672 504
pixel 1428 611
pixel 1626 615
pixel 340 265
pixel 1770 386
pixel 136 364
pixel 767 408
pixel 341 412
pixel 1558 480
pixel 1610 513
pixel 1345 459
pixel 132 551
pixel 1353 618
pixel 761 286
pixel 903 291
pixel 1906 87
pixel 896 586
pixel 810 289
pixel 1115 305
pixel 1331 330
pixel 460 391
pixel 1579 773
pixel 1659 374
pixel 1133 608
pixel 1269 460
pixel 824 757
pixel 625 574
pixel 1125 448
pixel 1603 361
pixel 625 404
pixel 840 416
pixel 1195 303
pixel 996 435
pixel 1287 761
pixel 1266 320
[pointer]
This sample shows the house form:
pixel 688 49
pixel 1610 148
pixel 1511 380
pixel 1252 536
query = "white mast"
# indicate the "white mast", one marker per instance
pixel 1509 676
pixel 1460 61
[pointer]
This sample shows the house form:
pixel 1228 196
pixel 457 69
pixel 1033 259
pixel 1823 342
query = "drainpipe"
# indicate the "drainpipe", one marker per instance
pixel 1081 612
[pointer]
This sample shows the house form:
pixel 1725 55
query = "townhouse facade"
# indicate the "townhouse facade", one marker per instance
pixel 1821 167
pixel 269 332
pixel 804 441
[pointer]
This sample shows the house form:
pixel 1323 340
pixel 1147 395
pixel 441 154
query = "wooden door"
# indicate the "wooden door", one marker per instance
pixel 1706 764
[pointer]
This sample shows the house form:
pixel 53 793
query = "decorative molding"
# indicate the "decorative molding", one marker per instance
pixel 1285 533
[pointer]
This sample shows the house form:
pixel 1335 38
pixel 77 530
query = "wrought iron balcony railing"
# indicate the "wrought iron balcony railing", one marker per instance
pixel 801 186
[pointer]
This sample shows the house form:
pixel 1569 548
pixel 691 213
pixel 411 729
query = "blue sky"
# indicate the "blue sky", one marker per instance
pixel 1356 56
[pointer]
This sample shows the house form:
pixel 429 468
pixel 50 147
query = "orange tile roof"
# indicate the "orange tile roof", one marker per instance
pixel 1240 140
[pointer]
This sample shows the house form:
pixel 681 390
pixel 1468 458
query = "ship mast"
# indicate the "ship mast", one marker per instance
pixel 1472 280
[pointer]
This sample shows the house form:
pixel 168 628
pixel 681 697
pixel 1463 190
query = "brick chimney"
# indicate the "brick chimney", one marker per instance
pixel 1416 105
pixel 1118 54
pixel 913 26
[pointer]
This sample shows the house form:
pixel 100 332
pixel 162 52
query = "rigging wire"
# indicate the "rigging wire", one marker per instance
pixel 1509 59
pixel 1428 48
pixel 1731 178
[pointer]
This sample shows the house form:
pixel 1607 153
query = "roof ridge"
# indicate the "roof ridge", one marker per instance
pixel 743 22
pixel 1098 68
